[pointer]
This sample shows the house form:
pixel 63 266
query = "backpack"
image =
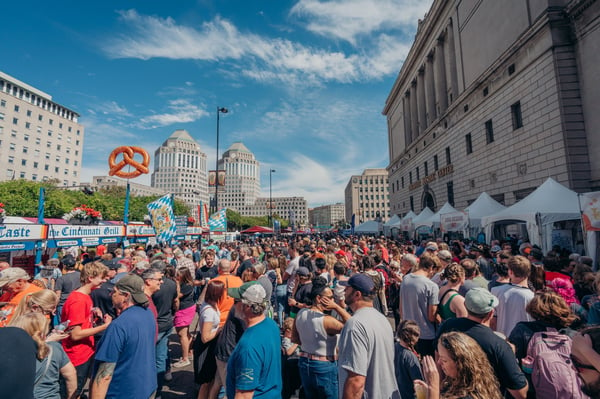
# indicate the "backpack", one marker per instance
pixel 552 372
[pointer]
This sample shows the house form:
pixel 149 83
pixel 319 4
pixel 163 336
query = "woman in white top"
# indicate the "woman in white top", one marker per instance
pixel 205 365
pixel 317 333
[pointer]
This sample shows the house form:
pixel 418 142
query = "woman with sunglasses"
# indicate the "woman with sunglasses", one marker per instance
pixel 317 334
pixel 466 369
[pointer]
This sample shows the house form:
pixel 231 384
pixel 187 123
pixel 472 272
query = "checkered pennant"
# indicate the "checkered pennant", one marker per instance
pixel 163 220
pixel 218 221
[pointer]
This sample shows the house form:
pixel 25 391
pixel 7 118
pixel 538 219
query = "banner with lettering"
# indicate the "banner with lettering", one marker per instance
pixel 15 237
pixel 454 221
pixel 590 210
pixel 67 235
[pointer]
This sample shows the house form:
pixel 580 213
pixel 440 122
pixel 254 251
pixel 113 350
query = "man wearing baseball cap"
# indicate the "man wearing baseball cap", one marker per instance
pixel 480 304
pixel 125 360
pixel 15 284
pixel 254 367
pixel 366 345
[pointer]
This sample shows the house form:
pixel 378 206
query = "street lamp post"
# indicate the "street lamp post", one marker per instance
pixel 271 171
pixel 219 111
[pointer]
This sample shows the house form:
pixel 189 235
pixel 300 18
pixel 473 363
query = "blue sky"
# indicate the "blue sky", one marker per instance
pixel 305 81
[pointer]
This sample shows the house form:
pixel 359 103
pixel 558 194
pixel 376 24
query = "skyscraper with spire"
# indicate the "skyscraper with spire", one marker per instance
pixel 180 168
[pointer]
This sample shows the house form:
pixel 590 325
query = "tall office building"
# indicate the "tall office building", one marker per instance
pixel 242 181
pixel 367 196
pixel 180 168
pixel 327 216
pixel 495 97
pixel 40 139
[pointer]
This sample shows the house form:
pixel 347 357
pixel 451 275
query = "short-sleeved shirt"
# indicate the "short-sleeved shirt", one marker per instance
pixel 13 301
pixel 417 294
pixel 501 357
pixel 366 347
pixel 408 369
pixel 207 313
pixel 230 335
pixel 78 310
pixel 163 299
pixel 129 342
pixel 512 301
pixel 187 296
pixel 66 284
pixel 47 375
pixel 255 364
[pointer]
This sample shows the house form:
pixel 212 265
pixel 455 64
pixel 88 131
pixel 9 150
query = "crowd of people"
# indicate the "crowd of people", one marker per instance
pixel 312 316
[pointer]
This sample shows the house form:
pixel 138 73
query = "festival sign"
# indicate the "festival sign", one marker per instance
pixel 60 235
pixel 406 224
pixel 454 221
pixel 14 237
pixel 140 233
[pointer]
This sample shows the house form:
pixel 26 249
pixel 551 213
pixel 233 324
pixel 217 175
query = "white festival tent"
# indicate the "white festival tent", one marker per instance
pixel 483 206
pixel 368 227
pixel 551 202
pixel 394 222
pixel 423 218
pixel 435 218
pixel 406 221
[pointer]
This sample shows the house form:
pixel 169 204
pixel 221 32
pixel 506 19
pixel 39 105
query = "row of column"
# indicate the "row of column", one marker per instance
pixel 434 87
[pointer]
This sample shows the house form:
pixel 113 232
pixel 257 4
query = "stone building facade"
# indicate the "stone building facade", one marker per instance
pixel 40 139
pixel 294 209
pixel 242 178
pixel 367 196
pixel 496 97
pixel 327 216
pixel 180 168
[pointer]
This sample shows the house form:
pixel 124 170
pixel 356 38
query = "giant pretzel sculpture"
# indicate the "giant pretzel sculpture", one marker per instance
pixel 116 168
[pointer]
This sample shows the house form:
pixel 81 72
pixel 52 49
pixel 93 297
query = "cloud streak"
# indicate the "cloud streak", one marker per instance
pixel 264 59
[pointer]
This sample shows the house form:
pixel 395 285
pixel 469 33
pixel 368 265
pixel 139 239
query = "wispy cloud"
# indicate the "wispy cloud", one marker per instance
pixel 112 108
pixel 181 111
pixel 264 58
pixel 349 19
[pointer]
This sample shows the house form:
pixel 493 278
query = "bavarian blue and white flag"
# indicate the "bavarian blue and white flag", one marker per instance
pixel 163 219
pixel 218 221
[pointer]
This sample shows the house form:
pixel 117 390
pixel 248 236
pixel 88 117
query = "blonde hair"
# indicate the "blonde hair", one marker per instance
pixel 92 270
pixel 43 301
pixel 474 374
pixel 36 325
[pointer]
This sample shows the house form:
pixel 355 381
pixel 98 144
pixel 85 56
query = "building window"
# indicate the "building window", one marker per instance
pixel 27 125
pixel 435 163
pixel 25 149
pixel 489 132
pixel 11 159
pixel 402 181
pixel 23 162
pixel 22 175
pixel 410 177
pixel 26 137
pixel 28 112
pixel 34 177
pixel 448 159
pixel 418 175
pixel 412 203
pixel 15 121
pixel 469 143
pixel 16 108
pixel 517 117
pixel 450 189
pixel 425 169
pixel 3 103
pixel 35 165
pixel 40 118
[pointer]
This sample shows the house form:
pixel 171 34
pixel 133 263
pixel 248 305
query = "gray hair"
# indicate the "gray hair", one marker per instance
pixel 260 268
pixel 411 259
pixel 149 274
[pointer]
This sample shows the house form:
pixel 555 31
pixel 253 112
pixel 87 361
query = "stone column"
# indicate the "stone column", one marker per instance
pixel 440 81
pixel 414 118
pixel 421 103
pixel 430 90
pixel 451 63
pixel 406 111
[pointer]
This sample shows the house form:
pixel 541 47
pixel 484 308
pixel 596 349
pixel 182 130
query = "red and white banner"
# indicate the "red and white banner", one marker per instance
pixel 454 221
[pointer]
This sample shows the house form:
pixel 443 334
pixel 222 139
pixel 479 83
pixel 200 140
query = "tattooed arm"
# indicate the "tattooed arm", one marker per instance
pixel 102 380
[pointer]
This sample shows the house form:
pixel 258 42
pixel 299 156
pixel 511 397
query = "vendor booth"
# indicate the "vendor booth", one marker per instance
pixel 422 224
pixel 392 226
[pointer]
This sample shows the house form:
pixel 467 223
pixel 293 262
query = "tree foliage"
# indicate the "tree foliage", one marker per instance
pixel 21 198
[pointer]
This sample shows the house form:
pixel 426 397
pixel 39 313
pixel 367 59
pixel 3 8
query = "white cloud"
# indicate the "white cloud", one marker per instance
pixel 181 111
pixel 111 108
pixel 263 58
pixel 349 19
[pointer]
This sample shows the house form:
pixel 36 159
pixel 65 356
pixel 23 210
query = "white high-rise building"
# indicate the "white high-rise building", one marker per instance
pixel 40 139
pixel 242 181
pixel 180 168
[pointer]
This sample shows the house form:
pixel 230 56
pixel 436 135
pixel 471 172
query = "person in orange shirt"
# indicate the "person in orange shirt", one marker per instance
pixel 226 302
pixel 15 284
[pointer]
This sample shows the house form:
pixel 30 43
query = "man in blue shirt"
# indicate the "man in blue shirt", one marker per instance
pixel 125 359
pixel 254 367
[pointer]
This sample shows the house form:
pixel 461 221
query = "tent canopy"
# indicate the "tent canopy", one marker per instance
pixel 483 206
pixel 370 226
pixel 435 218
pixel 257 229
pixel 422 219
pixel 393 222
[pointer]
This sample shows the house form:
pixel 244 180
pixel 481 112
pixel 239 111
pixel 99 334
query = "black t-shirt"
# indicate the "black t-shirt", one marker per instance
pixel 206 272
pixel 243 266
pixel 230 335
pixel 163 300
pixel 503 360
pixel 302 294
pixel 17 368
pixel 187 298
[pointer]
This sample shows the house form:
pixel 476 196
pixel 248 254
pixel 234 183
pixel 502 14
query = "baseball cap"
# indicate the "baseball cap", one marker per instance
pixel 111 264
pixel 303 271
pixel 359 282
pixel 432 246
pixel 12 274
pixel 251 292
pixel 134 285
pixel 341 253
pixel 480 301
pixel 444 255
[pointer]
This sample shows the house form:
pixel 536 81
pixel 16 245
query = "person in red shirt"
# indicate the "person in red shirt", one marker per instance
pixel 79 345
